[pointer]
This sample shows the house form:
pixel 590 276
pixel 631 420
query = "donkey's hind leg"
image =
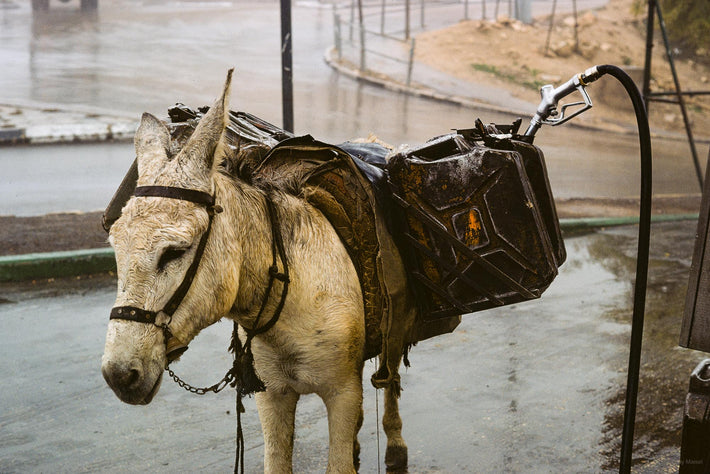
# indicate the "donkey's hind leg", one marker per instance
pixel 356 443
pixel 396 453
pixel 277 412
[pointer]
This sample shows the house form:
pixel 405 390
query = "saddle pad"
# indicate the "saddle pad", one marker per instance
pixel 332 183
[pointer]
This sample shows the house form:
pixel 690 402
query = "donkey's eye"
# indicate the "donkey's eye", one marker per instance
pixel 170 254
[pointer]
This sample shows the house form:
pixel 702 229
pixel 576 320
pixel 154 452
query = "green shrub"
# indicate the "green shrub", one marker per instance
pixel 688 25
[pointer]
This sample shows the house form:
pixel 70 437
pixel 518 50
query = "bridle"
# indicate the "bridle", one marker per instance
pixel 173 348
pixel 241 375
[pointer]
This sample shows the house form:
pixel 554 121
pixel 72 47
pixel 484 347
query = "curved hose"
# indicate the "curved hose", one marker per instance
pixel 641 263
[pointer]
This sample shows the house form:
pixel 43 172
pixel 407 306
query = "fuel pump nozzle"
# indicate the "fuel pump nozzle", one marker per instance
pixel 548 113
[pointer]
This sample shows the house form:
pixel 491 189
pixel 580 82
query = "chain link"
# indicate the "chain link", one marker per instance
pixel 216 388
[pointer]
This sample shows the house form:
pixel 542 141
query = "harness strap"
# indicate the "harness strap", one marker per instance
pixel 172 305
pixel 247 381
pixel 131 313
pixel 172 192
pixel 277 251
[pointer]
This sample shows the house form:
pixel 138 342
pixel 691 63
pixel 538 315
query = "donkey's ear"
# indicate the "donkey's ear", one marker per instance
pixel 151 140
pixel 200 148
pixel 152 135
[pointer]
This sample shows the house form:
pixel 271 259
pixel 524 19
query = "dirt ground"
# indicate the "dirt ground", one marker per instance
pixel 520 58
pixel 51 233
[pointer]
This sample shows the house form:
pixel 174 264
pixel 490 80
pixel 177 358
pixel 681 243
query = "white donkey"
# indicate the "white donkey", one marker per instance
pixel 318 342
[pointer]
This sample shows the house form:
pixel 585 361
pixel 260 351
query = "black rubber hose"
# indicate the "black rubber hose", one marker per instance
pixel 644 236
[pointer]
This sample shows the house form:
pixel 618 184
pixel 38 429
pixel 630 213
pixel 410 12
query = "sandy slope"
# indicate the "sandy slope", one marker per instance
pixel 520 58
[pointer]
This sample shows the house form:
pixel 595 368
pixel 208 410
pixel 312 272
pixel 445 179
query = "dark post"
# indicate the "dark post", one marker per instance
pixel 286 66
pixel 406 19
pixel 649 49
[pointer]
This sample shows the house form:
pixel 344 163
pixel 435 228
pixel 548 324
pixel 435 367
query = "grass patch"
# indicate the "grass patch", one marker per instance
pixel 533 83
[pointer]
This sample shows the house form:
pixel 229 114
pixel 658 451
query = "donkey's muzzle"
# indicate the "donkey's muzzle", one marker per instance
pixel 128 381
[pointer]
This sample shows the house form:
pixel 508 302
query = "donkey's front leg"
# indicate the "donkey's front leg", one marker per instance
pixel 344 405
pixel 277 412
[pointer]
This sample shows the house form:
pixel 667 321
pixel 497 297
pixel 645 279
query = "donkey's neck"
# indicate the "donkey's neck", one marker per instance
pixel 245 237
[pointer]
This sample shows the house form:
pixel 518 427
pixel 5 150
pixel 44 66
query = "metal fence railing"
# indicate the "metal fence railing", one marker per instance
pixel 362 45
pixel 378 34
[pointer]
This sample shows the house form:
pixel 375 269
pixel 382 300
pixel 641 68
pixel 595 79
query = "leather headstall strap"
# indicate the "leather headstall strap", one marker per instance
pixel 131 313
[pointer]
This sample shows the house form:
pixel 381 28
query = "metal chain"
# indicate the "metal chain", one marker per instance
pixel 216 388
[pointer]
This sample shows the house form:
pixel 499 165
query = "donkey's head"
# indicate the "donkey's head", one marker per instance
pixel 159 242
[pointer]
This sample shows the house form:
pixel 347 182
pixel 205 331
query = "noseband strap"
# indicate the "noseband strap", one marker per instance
pixel 132 313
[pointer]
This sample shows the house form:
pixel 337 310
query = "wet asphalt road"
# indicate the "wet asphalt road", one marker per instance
pixel 533 387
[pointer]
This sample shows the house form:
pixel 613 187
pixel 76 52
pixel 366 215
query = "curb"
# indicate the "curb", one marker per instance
pixel 420 91
pixel 66 133
pixel 41 123
pixel 36 266
pixel 588 224
pixel 70 263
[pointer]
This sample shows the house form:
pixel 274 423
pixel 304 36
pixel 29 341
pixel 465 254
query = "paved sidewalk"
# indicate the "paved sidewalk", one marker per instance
pixel 45 123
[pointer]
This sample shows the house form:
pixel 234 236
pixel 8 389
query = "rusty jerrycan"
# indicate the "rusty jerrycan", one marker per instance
pixel 479 226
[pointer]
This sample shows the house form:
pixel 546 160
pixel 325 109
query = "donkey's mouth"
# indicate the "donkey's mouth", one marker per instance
pixel 148 398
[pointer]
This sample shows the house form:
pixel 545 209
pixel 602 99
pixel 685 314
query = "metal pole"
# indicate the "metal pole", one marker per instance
pixel 552 24
pixel 286 66
pixel 363 66
pixel 576 26
pixel 338 33
pixel 411 63
pixel 422 14
pixel 649 49
pixel 465 9
pixel 406 19
pixel 382 19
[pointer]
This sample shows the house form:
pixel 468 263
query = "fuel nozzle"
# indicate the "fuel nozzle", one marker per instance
pixel 548 112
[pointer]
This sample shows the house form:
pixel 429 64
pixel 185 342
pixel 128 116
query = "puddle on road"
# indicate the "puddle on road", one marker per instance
pixel 665 367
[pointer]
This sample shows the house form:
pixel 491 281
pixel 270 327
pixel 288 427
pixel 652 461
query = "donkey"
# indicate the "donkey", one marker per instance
pixel 317 345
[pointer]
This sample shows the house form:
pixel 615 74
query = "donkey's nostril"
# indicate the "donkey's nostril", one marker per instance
pixel 122 376
pixel 134 376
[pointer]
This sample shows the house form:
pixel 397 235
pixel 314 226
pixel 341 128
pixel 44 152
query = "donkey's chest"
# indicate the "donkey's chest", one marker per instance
pixel 305 366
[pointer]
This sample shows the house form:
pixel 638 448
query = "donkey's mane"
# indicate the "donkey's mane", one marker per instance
pixel 241 162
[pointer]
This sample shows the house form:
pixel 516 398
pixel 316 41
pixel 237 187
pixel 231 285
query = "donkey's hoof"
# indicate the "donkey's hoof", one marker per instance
pixel 396 458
